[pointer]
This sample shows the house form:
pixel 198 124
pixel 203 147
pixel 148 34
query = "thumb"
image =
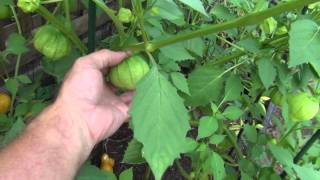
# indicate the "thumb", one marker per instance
pixel 106 58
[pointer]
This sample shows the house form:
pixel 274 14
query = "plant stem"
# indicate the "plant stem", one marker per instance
pixel 92 26
pixel 112 16
pixel 65 30
pixel 50 1
pixel 182 171
pixel 233 141
pixel 293 128
pixel 16 71
pixel 67 11
pixel 250 19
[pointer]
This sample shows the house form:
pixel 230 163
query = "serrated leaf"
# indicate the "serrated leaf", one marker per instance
pixel 195 45
pixel 16 44
pixel 90 172
pixel 222 12
pixel 196 5
pixel 267 72
pixel 232 112
pixel 205 84
pixel 160 121
pixel 208 125
pixel 304 43
pixel 132 154
pixel 233 88
pixel 180 82
pixel 176 52
pixel 217 166
pixel 169 10
pixel 282 155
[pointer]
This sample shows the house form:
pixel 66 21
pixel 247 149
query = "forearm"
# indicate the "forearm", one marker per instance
pixel 53 146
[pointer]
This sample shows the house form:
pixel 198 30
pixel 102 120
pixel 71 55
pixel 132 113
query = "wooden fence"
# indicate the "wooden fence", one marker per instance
pixel 30 22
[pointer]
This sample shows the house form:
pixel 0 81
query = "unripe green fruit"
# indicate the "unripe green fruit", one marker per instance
pixel 51 42
pixel 302 107
pixel 125 15
pixel 29 6
pixel 277 98
pixel 5 12
pixel 127 74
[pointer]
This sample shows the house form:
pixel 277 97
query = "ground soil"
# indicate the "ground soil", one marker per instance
pixel 115 147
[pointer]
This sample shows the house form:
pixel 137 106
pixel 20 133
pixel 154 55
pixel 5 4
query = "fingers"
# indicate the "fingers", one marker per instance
pixel 127 97
pixel 106 58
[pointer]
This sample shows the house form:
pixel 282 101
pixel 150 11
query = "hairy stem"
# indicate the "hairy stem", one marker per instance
pixel 250 19
pixel 112 16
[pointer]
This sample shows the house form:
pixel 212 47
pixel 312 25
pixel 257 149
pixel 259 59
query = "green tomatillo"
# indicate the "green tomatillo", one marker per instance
pixel 51 42
pixel 127 74
pixel 29 6
pixel 125 15
pixel 302 106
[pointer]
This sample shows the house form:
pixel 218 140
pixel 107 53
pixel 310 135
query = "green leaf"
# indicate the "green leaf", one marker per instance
pixel 6 2
pixel 16 44
pixel 233 88
pixel 180 82
pixel 282 155
pixel 5 124
pixel 208 125
pixel 169 10
pixel 90 172
pixel 190 145
pixel 160 121
pixel 61 67
pixel 133 154
pixel 196 5
pixel 205 84
pixel 306 173
pixel 267 72
pixel 250 45
pixel 24 79
pixel 217 166
pixel 195 45
pixel 222 12
pixel 233 113
pixel 12 86
pixel 14 131
pixel 216 139
pixel 179 51
pixel 126 175
pixel 251 133
pixel 304 43
pixel 21 109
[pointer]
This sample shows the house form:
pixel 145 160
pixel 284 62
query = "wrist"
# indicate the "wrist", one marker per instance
pixel 62 129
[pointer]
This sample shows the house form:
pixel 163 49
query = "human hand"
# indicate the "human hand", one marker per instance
pixel 86 100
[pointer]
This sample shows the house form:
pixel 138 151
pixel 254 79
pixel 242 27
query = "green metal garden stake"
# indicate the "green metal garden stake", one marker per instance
pixel 91 26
